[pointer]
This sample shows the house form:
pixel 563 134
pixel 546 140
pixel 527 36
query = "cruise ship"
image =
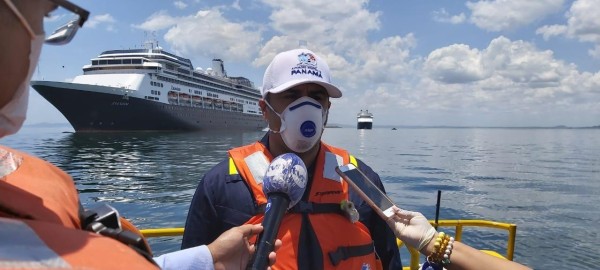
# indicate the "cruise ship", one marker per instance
pixel 152 89
pixel 364 120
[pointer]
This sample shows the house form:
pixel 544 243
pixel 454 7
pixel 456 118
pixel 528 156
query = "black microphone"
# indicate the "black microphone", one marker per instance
pixel 283 184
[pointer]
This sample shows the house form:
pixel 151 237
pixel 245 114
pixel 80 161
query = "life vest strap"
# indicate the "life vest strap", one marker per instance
pixel 344 253
pixel 316 208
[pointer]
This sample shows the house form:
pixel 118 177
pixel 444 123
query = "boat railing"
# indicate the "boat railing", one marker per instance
pixel 458 224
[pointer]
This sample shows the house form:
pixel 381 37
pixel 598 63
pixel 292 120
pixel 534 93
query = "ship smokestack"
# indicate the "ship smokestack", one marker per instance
pixel 218 68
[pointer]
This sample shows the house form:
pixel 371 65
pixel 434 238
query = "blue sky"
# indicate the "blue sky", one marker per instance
pixel 445 62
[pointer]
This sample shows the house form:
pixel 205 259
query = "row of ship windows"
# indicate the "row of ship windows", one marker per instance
pixel 157 84
pixel 220 89
pixel 211 106
pixel 155 92
pixel 139 61
pixel 116 62
pixel 198 86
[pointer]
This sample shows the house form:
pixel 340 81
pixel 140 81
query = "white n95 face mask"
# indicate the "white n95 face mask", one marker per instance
pixel 302 124
pixel 12 115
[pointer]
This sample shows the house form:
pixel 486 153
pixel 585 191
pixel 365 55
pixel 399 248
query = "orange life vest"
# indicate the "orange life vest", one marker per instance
pixel 40 225
pixel 312 238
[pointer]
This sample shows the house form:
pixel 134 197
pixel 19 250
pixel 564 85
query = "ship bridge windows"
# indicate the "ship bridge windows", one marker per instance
pixel 116 62
pixel 170 66
pixel 157 84
pixel 184 71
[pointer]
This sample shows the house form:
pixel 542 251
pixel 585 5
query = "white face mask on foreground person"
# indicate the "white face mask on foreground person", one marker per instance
pixel 302 123
pixel 12 115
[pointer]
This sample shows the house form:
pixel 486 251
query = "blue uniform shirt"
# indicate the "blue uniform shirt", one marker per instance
pixel 223 201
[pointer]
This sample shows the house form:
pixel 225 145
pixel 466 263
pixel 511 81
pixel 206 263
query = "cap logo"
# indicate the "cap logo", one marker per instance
pixel 307 64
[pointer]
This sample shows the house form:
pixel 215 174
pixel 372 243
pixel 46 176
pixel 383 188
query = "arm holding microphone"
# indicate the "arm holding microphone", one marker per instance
pixel 231 250
pixel 416 231
pixel 284 184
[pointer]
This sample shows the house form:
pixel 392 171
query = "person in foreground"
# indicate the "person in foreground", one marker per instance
pixel 316 232
pixel 416 231
pixel 42 222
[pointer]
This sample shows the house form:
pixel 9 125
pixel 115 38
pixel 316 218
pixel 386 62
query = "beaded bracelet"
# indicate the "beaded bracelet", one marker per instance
pixel 442 250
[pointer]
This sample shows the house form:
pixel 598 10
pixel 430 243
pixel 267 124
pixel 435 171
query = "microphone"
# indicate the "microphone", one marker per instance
pixel 283 184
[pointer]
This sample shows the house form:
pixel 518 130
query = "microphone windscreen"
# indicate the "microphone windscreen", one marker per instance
pixel 286 174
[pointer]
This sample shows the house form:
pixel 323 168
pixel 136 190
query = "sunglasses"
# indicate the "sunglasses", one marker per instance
pixel 65 33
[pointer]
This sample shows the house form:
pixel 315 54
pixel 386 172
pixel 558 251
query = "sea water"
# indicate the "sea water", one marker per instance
pixel 547 181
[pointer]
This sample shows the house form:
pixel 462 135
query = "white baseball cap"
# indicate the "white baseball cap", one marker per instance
pixel 299 66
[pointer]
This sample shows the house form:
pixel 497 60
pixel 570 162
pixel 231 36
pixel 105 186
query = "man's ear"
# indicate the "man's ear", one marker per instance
pixel 263 108
pixel 327 115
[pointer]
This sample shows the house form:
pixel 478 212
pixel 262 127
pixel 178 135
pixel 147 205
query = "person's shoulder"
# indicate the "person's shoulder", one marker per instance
pixel 369 172
pixel 219 170
pixel 364 167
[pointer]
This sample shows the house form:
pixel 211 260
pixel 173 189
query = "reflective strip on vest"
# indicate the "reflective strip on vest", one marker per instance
pixel 258 164
pixel 232 169
pixel 20 247
pixel 9 162
pixel 353 161
pixel 332 161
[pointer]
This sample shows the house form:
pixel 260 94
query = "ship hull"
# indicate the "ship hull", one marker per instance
pixel 89 111
pixel 364 125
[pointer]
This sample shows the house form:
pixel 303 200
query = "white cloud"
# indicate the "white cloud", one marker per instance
pixel 443 16
pixel 157 21
pixel 595 52
pixel 455 64
pixel 180 4
pixel 584 20
pixel 323 23
pixel 583 23
pixel 548 31
pixel 236 5
pixel 207 33
pixel 502 15
pixel 96 20
pixel 507 76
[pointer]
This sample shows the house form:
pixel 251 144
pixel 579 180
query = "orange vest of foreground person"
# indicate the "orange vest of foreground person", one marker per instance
pixel 319 238
pixel 40 226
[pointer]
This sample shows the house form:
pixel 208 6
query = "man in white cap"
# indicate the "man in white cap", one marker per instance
pixel 316 233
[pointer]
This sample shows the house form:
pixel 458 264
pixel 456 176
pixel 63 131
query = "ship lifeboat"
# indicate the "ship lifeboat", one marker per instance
pixel 184 99
pixel 218 104
pixel 196 101
pixel 173 97
pixel 208 102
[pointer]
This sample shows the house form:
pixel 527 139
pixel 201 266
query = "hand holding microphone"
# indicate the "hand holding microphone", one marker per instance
pixel 284 184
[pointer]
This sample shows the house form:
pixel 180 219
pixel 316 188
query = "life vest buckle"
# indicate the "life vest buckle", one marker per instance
pixel 105 220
